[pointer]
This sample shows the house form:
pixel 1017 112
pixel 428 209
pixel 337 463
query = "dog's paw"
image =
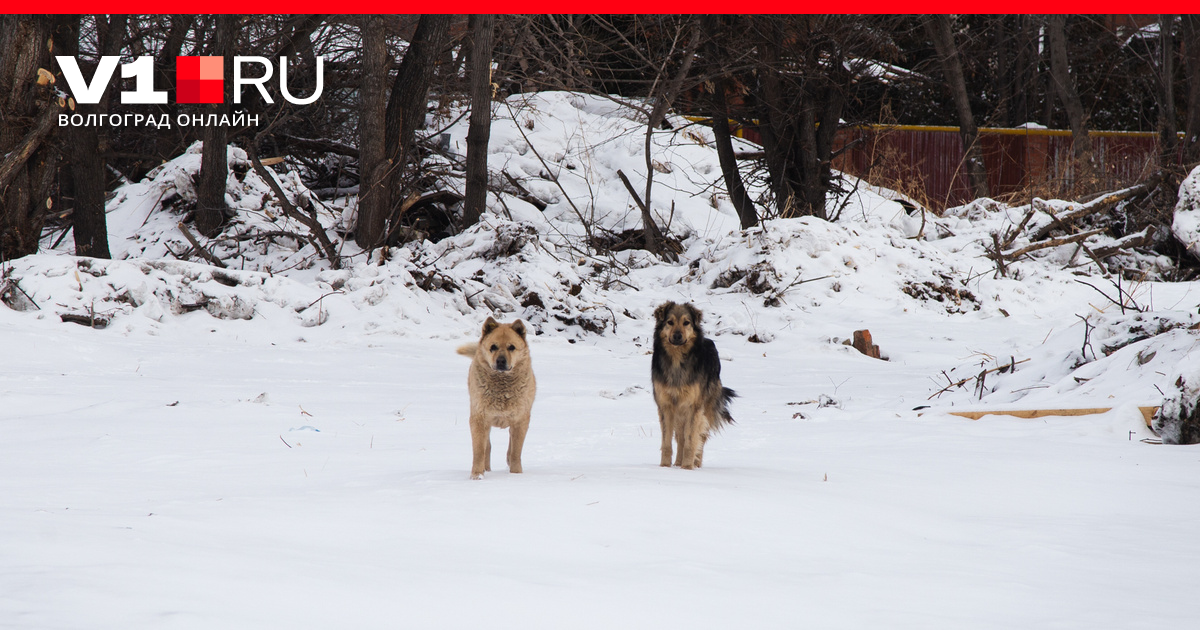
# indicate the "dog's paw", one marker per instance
pixel 476 476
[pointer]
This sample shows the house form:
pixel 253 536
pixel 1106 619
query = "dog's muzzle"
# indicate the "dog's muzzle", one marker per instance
pixel 502 365
pixel 677 339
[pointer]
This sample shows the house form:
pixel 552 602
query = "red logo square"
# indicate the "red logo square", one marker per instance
pixel 199 79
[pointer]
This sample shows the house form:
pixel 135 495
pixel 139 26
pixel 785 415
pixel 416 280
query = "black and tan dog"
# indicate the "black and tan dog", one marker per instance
pixel 502 389
pixel 686 373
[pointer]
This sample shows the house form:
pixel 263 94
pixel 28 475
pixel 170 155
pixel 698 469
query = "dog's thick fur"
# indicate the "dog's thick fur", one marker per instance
pixel 502 388
pixel 686 373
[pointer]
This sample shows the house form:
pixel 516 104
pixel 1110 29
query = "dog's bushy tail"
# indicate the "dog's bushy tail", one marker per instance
pixel 723 417
pixel 467 349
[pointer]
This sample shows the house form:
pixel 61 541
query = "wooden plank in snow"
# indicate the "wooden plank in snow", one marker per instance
pixel 1147 412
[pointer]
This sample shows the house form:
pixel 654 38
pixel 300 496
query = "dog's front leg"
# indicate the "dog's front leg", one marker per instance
pixel 664 426
pixel 481 446
pixel 683 427
pixel 516 441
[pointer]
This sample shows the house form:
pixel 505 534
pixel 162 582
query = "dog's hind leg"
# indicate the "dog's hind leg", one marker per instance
pixel 700 449
pixel 516 441
pixel 693 436
pixel 487 450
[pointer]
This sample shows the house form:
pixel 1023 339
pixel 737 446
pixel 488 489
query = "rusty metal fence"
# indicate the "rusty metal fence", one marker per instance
pixel 927 162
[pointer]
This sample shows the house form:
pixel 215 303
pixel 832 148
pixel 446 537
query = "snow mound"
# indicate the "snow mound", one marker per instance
pixel 566 148
pixel 1178 422
pixel 1186 224
pixel 1102 360
pixel 96 292
pixel 144 217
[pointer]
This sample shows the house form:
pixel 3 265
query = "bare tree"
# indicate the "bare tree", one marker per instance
pixel 482 28
pixel 1064 85
pixel 1190 27
pixel 373 195
pixel 404 113
pixel 1168 142
pixel 718 55
pixel 214 165
pixel 806 68
pixel 940 29
pixel 27 119
pixel 87 178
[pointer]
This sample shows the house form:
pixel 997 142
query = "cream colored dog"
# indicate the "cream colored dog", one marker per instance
pixel 502 388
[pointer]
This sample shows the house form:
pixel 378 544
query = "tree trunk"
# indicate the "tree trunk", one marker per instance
pixel 86 176
pixel 773 125
pixel 663 94
pixel 214 163
pixel 404 114
pixel 940 28
pixel 27 121
pixel 374 199
pixel 1026 74
pixel 722 138
pixel 819 167
pixel 1064 85
pixel 480 125
pixel 1191 67
pixel 168 144
pixel 1168 149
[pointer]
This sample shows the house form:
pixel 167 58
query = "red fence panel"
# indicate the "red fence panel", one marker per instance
pixel 926 163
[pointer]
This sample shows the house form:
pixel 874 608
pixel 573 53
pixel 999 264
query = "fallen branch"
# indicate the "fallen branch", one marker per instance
pixel 1011 236
pixel 317 235
pixel 335 192
pixel 1054 242
pixel 653 235
pixel 1138 239
pixel 523 194
pixel 1096 205
pixel 321 145
pixel 196 247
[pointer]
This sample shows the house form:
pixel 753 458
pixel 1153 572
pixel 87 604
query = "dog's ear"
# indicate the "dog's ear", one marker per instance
pixel 490 325
pixel 660 313
pixel 696 314
pixel 519 328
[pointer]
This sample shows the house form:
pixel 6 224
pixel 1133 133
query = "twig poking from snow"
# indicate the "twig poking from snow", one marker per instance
pixel 1010 366
pixel 338 292
pixel 1087 337
pixel 284 442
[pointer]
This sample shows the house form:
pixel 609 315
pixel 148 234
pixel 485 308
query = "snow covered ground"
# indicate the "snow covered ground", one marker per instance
pixel 261 448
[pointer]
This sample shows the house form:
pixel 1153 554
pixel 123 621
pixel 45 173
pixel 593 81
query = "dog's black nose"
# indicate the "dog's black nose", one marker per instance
pixel 677 338
pixel 501 364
